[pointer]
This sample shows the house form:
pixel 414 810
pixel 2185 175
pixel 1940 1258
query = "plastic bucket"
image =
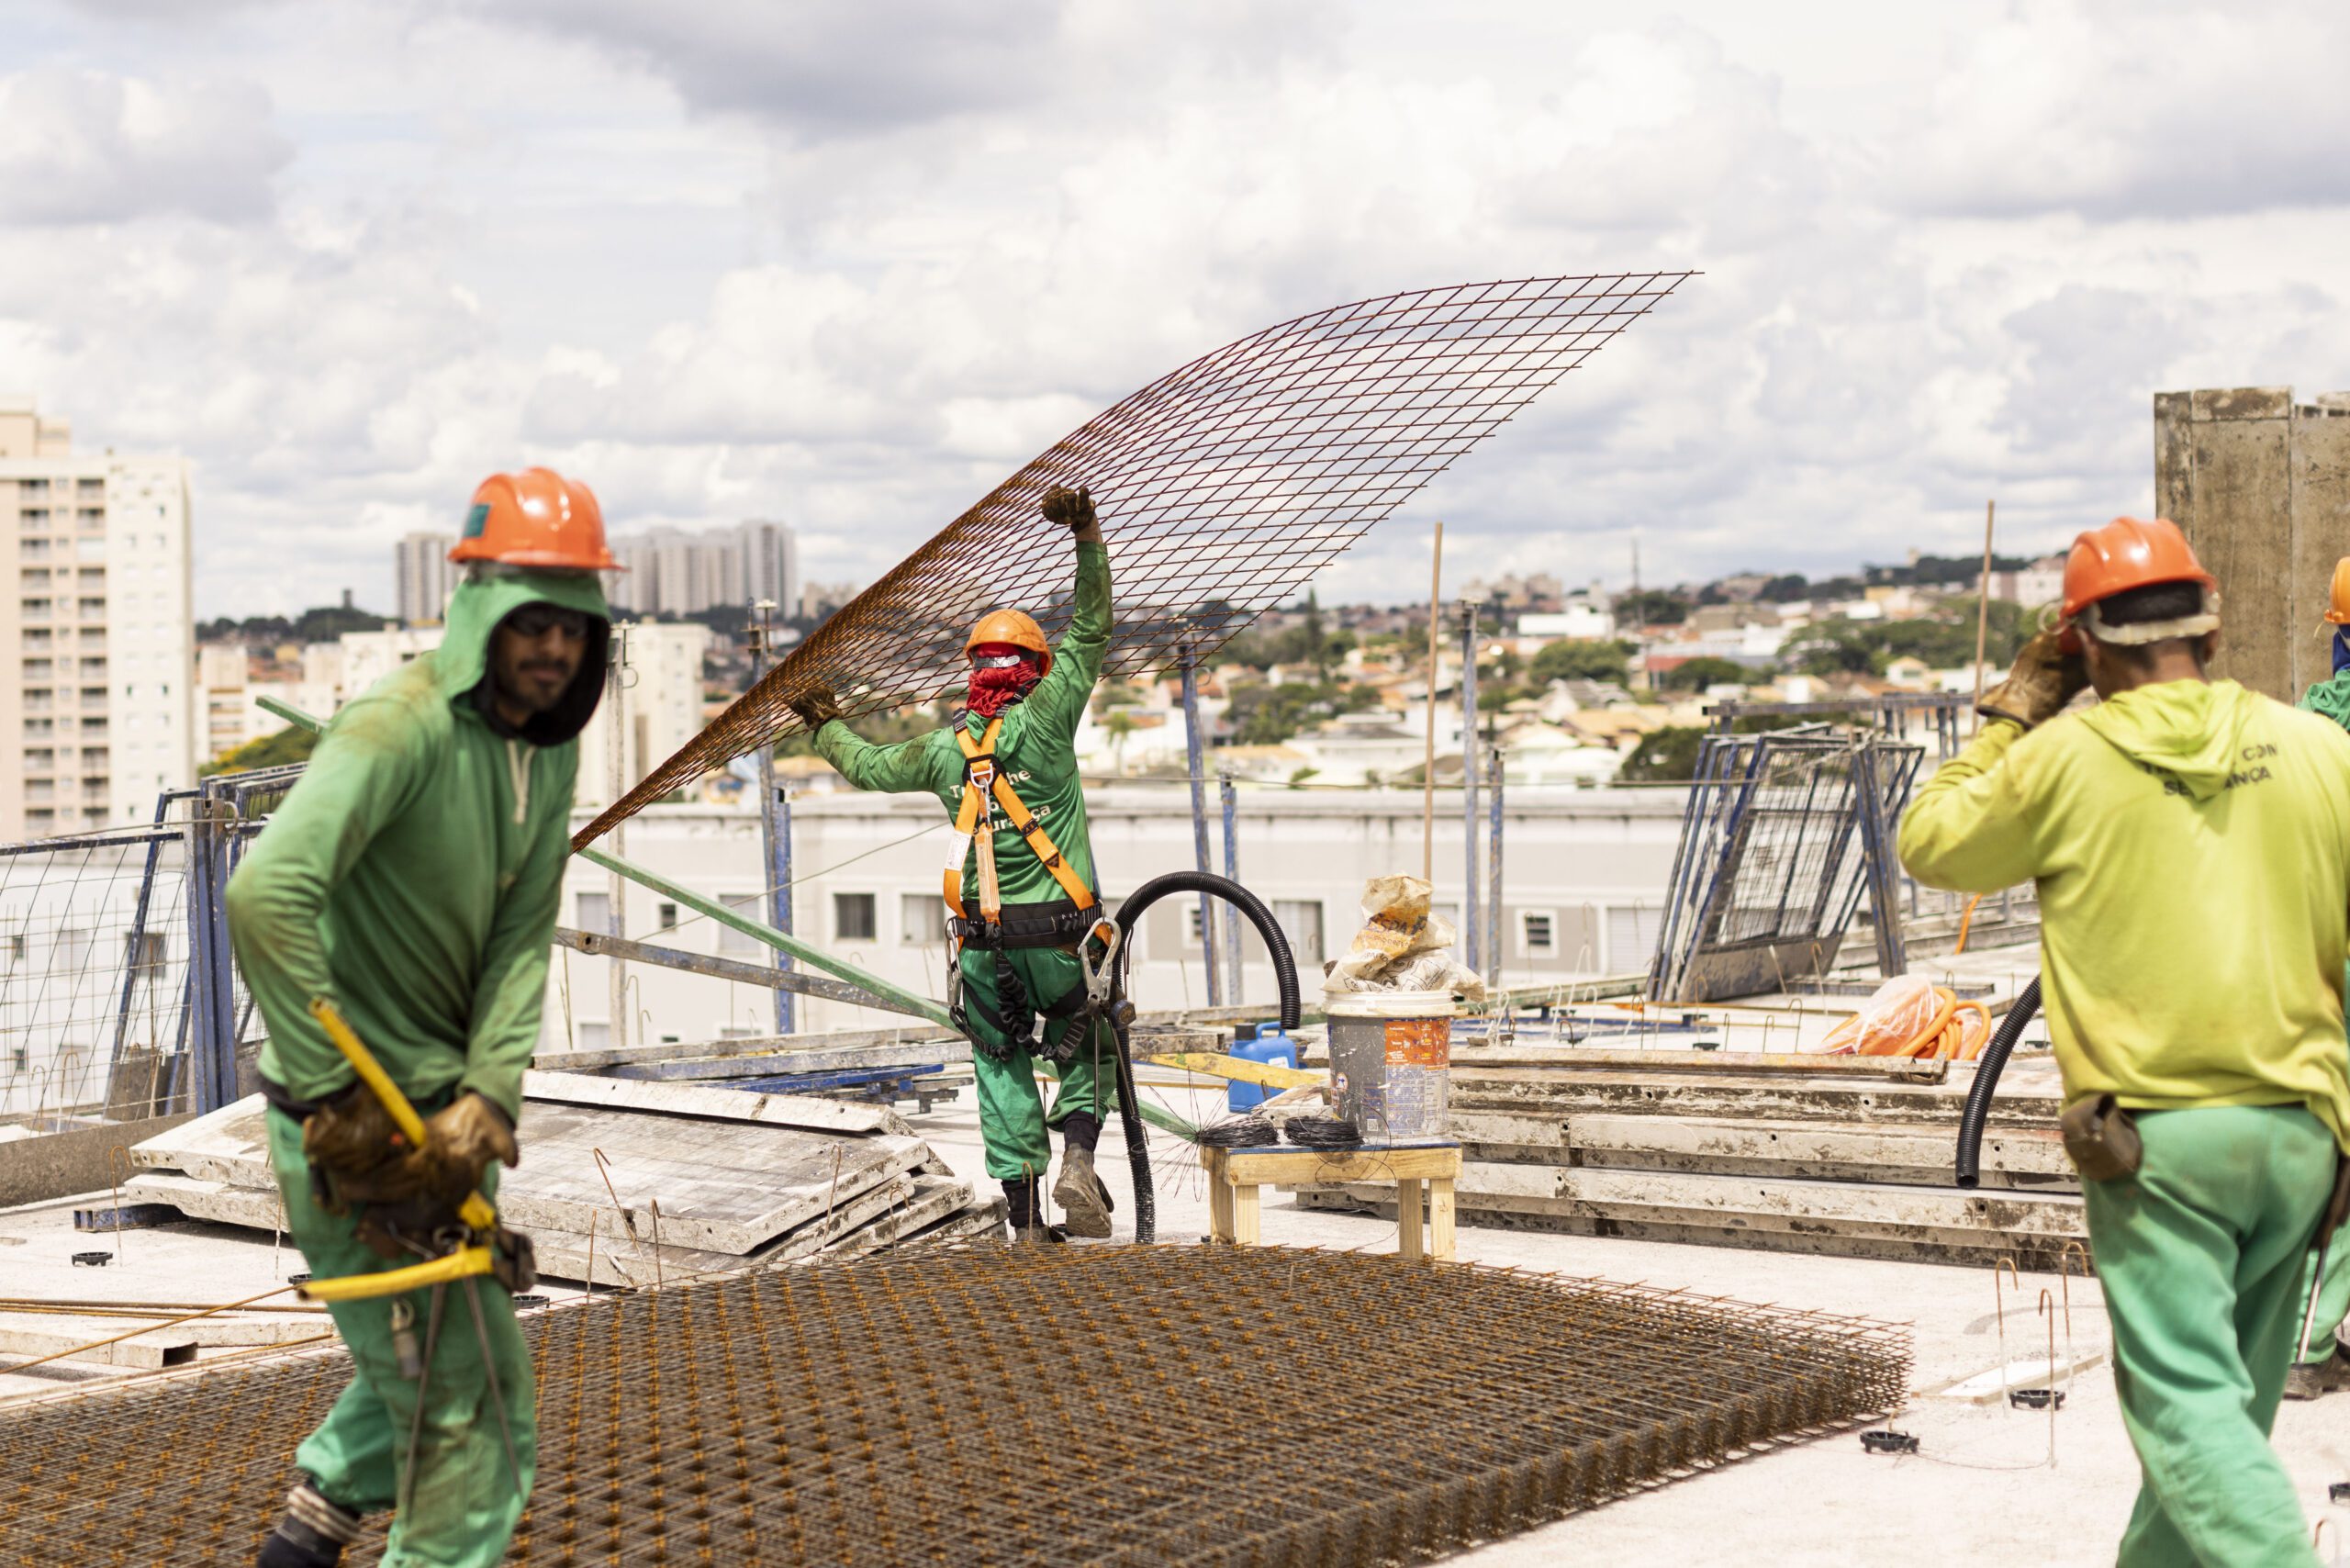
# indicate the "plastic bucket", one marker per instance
pixel 1391 1062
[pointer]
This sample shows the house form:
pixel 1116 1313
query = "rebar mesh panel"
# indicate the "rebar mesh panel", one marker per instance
pixel 1222 489
pixel 1082 1405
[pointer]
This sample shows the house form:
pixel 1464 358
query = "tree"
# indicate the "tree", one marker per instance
pixel 1318 643
pixel 1581 661
pixel 1652 606
pixel 1664 756
pixel 1118 726
pixel 1695 675
pixel 293 744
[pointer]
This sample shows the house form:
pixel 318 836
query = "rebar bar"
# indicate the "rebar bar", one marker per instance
pixel 1222 489
pixel 980 1402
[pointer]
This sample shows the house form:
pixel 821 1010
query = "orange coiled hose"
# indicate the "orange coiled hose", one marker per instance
pixel 1946 1035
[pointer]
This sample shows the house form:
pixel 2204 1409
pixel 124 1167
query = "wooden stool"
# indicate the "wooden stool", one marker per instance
pixel 1235 1174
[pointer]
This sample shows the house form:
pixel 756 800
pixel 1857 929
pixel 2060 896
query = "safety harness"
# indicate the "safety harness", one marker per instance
pixel 1064 925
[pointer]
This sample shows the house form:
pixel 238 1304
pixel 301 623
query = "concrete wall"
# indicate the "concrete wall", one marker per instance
pixel 2260 482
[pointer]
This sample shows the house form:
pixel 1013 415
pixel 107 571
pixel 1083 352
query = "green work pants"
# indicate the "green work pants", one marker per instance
pixel 1012 1122
pixel 2198 1253
pixel 463 1502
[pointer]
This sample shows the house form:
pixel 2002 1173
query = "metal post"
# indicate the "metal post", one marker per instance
pixel 1469 926
pixel 137 942
pixel 1232 873
pixel 211 981
pixel 615 890
pixel 1494 874
pixel 775 835
pixel 1199 817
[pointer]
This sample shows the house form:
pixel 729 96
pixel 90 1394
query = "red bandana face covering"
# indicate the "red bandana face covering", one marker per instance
pixel 997 686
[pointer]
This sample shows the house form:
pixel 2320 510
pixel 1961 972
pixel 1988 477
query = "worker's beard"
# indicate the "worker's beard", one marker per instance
pixel 993 690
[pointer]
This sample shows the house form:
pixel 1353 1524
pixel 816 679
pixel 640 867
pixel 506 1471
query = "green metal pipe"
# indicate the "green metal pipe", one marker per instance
pixel 919 1006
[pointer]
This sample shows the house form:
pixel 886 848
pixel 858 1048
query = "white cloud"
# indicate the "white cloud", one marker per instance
pixel 850 266
pixel 84 148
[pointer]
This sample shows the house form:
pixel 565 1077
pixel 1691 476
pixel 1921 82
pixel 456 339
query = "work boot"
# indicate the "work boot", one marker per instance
pixel 1038 1233
pixel 313 1532
pixel 2312 1380
pixel 1085 1203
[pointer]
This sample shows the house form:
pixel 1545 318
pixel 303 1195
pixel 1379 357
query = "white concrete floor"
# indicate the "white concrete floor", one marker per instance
pixel 1983 1488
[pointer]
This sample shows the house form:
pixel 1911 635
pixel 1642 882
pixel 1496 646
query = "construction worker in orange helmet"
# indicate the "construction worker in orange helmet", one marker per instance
pixel 2191 843
pixel 411 879
pixel 2323 1358
pixel 1019 915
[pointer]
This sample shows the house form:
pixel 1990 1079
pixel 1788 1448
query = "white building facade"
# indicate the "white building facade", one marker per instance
pixel 99 705
pixel 1584 888
pixel 425 577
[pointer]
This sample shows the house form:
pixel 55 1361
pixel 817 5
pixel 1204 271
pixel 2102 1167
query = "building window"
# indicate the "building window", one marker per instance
pixel 595 912
pixel 1192 937
pixel 741 944
pixel 666 915
pixel 1632 935
pixel 594 1036
pixel 1539 933
pixel 921 918
pixel 1301 922
pixel 853 917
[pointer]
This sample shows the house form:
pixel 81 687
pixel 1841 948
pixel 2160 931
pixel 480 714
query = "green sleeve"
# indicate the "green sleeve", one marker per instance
pixel 1059 698
pixel 368 766
pixel 1970 828
pixel 908 768
pixel 511 993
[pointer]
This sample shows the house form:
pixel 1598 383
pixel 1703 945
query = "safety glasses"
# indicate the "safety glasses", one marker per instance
pixel 536 620
pixel 996 661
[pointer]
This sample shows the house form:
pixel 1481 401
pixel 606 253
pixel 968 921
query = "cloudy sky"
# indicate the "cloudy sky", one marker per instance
pixel 848 265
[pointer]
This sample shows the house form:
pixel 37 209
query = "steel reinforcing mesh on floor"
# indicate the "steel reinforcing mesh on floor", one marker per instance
pixel 991 1404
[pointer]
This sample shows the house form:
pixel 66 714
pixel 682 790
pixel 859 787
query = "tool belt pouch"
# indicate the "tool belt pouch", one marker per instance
pixel 2101 1138
pixel 1055 923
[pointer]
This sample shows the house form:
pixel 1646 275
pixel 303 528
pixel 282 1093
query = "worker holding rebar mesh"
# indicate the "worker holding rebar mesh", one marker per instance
pixel 2190 841
pixel 1021 905
pixel 2323 1359
pixel 412 881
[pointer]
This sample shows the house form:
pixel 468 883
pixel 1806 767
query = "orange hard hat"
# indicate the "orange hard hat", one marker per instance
pixel 536 518
pixel 1014 629
pixel 2338 609
pixel 2127 553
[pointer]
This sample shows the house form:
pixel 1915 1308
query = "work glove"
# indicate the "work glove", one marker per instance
pixel 2042 681
pixel 354 1140
pixel 1073 509
pixel 816 708
pixel 460 1141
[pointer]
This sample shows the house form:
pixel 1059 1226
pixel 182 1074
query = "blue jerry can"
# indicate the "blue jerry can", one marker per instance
pixel 1271 1046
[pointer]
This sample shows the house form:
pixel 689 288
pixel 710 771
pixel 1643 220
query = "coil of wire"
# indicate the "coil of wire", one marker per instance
pixel 1323 1132
pixel 1240 1132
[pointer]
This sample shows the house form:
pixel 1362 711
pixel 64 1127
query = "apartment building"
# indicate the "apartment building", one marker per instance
pixel 98 708
pixel 674 571
pixel 425 577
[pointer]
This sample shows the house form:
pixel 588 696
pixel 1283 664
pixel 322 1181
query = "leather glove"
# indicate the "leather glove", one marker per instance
pixel 354 1139
pixel 460 1141
pixel 2042 681
pixel 816 708
pixel 1073 509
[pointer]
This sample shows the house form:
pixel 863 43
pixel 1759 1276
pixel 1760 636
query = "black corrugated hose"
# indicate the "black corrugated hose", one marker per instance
pixel 1986 1082
pixel 1122 1012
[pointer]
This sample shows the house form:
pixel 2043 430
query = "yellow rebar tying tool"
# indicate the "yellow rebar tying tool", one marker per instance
pixel 475 1258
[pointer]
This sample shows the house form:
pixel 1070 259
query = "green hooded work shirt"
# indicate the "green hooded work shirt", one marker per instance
pixel 413 875
pixel 1036 748
pixel 2191 846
